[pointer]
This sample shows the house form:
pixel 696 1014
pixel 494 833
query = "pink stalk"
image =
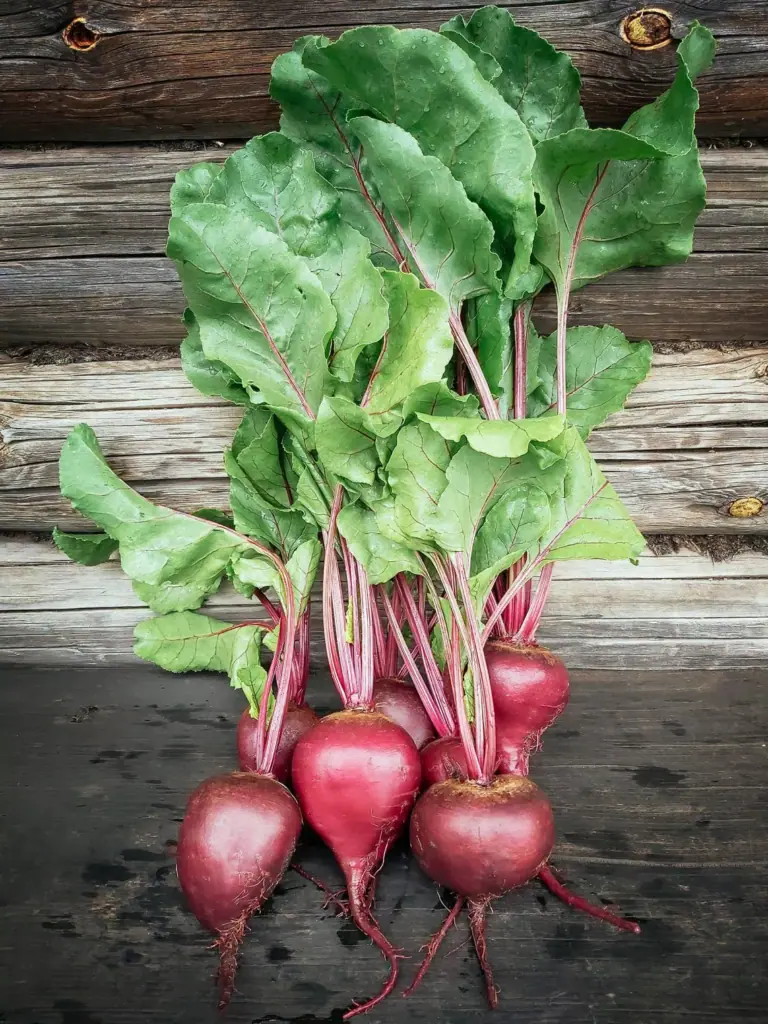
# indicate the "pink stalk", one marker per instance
pixel 380 642
pixel 424 690
pixel 527 631
pixel 339 659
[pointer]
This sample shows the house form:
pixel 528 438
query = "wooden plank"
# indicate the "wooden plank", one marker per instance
pixel 671 609
pixel 678 454
pixel 157 71
pixel 84 238
pixel 109 201
pixel 656 780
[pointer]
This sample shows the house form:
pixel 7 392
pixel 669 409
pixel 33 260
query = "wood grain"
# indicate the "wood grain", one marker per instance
pixel 656 783
pixel 670 609
pixel 678 454
pixel 201 70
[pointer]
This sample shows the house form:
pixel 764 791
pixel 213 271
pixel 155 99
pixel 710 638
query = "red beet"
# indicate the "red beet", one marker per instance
pixel 530 690
pixel 356 775
pixel 400 702
pixel 236 840
pixel 299 718
pixel 443 759
pixel 481 841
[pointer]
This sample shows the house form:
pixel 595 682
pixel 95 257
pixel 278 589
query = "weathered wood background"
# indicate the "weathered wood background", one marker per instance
pixel 90 311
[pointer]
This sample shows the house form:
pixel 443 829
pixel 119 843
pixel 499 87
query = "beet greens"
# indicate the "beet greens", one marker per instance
pixel 363 283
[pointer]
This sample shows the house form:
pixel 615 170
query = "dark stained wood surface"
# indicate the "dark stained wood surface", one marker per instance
pixel 656 781
pixel 82 241
pixel 172 69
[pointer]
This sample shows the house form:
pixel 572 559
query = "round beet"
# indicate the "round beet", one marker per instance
pixel 481 841
pixel 356 776
pixel 299 718
pixel 530 690
pixel 442 759
pixel 236 841
pixel 400 702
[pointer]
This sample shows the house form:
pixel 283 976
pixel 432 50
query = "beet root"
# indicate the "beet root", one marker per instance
pixel 356 775
pixel 481 841
pixel 236 841
pixel 401 704
pixel 443 759
pixel 530 689
pixel 299 718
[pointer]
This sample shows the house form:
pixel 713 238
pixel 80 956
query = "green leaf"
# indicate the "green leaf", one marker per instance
pixel 274 183
pixel 428 86
pixel 187 642
pixel 85 548
pixel 488 329
pixel 614 199
pixel 260 310
pixel 416 473
pixel 437 399
pixel 314 114
pixel 256 449
pixel 588 519
pixel 184 556
pixel 381 557
pixel 193 185
pixel 602 368
pixel 208 376
pixel 535 79
pixel 356 291
pixel 346 438
pixel 302 569
pixel 504 439
pixel 448 238
pixel 214 515
pixel 418 344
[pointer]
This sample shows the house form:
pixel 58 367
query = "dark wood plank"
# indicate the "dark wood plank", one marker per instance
pixel 113 201
pixel 656 781
pixel 171 70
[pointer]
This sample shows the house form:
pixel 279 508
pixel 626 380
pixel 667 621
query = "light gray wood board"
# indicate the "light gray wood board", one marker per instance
pixel 113 200
pixel 84 232
pixel 679 610
pixel 678 454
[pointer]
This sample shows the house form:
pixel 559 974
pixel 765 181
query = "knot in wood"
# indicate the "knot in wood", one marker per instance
pixel 745 508
pixel 649 28
pixel 78 36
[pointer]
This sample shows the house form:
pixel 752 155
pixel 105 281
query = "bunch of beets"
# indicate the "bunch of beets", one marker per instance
pixel 361 284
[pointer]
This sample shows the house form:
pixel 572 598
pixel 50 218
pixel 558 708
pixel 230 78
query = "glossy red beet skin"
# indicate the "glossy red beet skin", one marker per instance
pixel 443 759
pixel 236 841
pixel 481 841
pixel 299 718
pixel 530 690
pixel 400 702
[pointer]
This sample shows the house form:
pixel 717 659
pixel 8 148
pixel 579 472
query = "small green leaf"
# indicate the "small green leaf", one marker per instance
pixel 193 185
pixel 302 569
pixel 488 328
pixel 208 376
pixel 417 347
pixel 504 439
pixel 346 438
pixel 214 515
pixel 535 79
pixel 602 368
pixel 85 548
pixel 437 399
pixel 381 557
pixel 416 473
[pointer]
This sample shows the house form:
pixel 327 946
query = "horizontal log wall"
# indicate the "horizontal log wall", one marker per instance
pixel 90 312
pixel 160 69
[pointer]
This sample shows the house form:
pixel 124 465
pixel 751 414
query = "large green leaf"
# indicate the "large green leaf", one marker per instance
pixel 85 548
pixel 417 346
pixel 614 199
pixel 314 114
pixel 602 368
pixel 504 439
pixel 189 642
pixel 381 557
pixel 260 310
pixel 537 80
pixel 185 557
pixel 423 82
pixel 447 237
